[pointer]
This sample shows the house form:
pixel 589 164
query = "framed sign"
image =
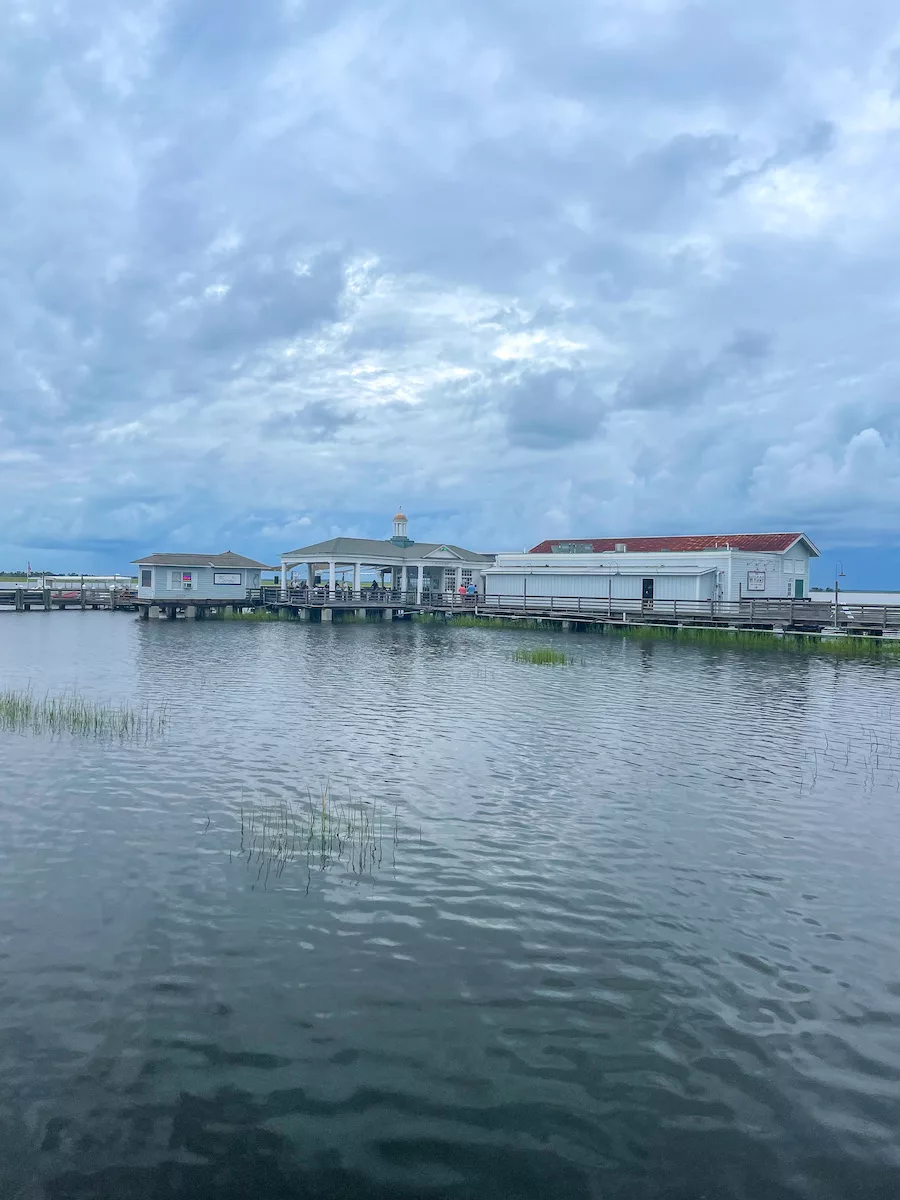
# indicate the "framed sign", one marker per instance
pixel 228 578
pixel 756 581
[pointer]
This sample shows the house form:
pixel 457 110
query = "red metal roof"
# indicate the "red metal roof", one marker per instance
pixel 754 542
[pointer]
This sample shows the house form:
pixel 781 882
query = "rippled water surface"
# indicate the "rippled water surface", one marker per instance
pixel 625 928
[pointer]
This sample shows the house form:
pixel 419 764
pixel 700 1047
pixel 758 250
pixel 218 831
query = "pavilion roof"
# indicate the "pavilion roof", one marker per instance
pixel 375 551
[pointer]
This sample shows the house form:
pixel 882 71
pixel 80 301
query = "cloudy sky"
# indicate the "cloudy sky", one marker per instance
pixel 271 269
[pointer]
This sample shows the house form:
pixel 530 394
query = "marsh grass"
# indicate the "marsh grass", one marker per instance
pixel 314 831
pixel 544 656
pixel 471 621
pixel 24 712
pixel 840 647
pixel 843 646
pixel 254 614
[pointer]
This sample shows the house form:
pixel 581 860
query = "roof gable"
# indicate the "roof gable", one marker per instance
pixel 374 551
pixel 227 559
pixel 691 543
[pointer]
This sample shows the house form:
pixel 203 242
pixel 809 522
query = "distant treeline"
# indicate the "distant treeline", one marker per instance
pixel 31 574
pixel 39 571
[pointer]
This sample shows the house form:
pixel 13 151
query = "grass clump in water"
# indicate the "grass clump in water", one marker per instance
pixel 542 656
pixel 472 621
pixel 314 831
pixel 843 646
pixel 23 712
pixel 251 614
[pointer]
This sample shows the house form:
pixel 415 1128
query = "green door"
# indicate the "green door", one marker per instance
pixel 798 589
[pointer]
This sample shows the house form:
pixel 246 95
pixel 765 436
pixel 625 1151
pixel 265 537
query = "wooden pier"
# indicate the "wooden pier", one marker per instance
pixel 766 614
pixel 47 599
pixel 366 601
pixel 800 616
pixel 314 604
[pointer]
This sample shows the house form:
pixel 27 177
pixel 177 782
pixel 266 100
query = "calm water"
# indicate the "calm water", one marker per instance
pixel 631 928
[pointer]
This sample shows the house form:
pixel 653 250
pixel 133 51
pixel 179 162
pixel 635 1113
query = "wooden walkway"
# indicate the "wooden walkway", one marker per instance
pixel 48 599
pixel 798 616
pixel 370 599
pixel 793 616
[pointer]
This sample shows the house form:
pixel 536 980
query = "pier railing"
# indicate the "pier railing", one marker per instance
pixel 26 595
pixel 322 597
pixel 762 610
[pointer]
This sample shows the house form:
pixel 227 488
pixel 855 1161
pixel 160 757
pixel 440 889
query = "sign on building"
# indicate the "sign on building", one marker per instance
pixel 756 581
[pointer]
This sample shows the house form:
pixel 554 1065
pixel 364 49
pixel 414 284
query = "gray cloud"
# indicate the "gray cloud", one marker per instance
pixel 524 269
pixel 317 421
pixel 552 409
pixel 752 345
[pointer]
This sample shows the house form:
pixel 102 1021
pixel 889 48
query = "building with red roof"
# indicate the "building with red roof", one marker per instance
pixel 693 567
pixel 756 543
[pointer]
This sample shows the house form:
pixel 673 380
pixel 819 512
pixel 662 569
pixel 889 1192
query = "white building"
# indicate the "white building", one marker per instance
pixel 643 569
pixel 413 567
pixel 186 578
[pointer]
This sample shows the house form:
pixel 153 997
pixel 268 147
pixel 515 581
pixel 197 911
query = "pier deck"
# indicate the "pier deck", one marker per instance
pixel 24 599
pixel 369 599
pixel 792 616
pixel 797 616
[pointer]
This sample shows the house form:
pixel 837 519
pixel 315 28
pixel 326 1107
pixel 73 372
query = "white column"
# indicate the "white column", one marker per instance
pixel 404 579
pixel 284 571
pixel 331 573
pixel 310 575
pixel 458 578
pixel 420 579
pixel 356 577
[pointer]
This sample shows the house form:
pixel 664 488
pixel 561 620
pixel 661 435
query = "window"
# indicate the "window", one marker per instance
pixel 181 581
pixel 466 577
pixel 449 578
pixel 146 577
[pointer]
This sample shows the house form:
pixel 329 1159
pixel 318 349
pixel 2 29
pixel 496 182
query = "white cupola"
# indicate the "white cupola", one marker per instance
pixel 401 537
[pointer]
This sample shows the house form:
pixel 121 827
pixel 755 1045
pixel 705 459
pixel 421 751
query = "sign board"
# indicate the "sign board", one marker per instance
pixel 756 581
pixel 228 578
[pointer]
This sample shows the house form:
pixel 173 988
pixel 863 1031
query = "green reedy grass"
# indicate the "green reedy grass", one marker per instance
pixel 542 656
pixel 471 621
pixel 23 712
pixel 254 614
pixel 841 647
pixel 313 830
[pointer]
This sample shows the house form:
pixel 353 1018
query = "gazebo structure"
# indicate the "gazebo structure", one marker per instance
pixel 414 567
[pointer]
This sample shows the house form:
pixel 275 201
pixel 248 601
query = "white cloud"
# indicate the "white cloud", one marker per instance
pixel 620 267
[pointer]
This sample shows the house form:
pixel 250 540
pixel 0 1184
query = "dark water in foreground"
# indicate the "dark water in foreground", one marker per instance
pixel 631 928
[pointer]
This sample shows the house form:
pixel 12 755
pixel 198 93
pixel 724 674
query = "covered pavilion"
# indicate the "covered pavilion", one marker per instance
pixel 414 567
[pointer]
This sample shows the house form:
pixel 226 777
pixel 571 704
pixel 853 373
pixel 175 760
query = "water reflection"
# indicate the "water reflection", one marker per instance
pixel 636 934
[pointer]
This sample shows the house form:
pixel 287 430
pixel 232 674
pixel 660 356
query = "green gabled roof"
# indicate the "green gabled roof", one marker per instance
pixel 379 551
pixel 228 559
